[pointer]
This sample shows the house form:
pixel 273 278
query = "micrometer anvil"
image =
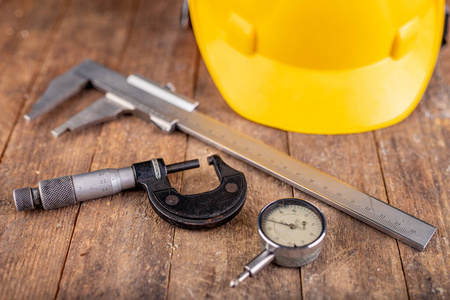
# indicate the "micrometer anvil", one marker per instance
pixel 169 111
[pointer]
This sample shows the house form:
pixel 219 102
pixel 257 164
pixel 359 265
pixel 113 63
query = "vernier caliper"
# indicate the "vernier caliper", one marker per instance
pixel 170 111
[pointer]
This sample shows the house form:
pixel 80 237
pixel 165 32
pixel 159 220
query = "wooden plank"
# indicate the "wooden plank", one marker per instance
pixel 203 263
pixel 25 31
pixel 118 248
pixel 120 241
pixel 415 158
pixel 34 244
pixel 357 261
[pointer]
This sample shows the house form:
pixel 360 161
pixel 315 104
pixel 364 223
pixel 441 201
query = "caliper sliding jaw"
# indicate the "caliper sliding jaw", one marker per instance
pixel 133 94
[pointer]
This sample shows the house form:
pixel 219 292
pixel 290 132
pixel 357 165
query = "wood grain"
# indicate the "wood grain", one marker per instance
pixel 127 250
pixel 117 247
pixel 26 30
pixel 357 260
pixel 416 167
pixel 34 244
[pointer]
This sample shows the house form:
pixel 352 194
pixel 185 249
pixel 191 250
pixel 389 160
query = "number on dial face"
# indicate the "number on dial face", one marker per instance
pixel 291 225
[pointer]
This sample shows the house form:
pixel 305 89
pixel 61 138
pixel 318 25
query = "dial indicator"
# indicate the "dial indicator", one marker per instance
pixel 291 225
pixel 291 233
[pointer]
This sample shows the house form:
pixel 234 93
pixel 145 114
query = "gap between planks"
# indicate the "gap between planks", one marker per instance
pixel 194 88
pixel 377 150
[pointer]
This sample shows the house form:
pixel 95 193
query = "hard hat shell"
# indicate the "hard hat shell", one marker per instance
pixel 323 68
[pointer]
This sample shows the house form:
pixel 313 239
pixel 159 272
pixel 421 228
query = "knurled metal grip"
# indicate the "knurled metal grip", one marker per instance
pixel 51 194
pixel 23 199
pixel 57 192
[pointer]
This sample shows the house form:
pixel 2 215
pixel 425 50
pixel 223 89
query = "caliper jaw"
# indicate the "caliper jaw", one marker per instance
pixel 102 110
pixel 132 94
pixel 59 90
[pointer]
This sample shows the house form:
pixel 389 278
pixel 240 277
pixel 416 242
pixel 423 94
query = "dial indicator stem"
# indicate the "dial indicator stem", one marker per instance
pixel 253 267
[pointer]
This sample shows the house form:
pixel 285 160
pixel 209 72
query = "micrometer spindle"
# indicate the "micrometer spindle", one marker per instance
pixel 71 189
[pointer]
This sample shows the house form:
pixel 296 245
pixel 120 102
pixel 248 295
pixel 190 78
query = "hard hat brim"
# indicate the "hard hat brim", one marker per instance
pixel 320 101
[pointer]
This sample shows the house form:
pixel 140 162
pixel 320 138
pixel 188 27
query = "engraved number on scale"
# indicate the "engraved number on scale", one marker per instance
pixel 291 225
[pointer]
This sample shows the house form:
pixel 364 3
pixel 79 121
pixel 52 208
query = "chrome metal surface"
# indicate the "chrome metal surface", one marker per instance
pixel 23 199
pixel 241 277
pixel 102 183
pixel 259 262
pixel 184 15
pixel 293 255
pixel 253 267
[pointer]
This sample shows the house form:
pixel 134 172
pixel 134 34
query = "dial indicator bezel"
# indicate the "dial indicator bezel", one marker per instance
pixel 284 207
pixel 275 247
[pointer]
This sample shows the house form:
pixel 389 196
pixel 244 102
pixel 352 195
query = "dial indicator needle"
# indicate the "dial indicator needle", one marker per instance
pixel 292 226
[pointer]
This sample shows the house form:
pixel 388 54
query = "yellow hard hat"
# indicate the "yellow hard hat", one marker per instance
pixel 324 68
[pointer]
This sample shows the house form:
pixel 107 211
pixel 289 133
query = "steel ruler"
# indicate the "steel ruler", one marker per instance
pixel 368 209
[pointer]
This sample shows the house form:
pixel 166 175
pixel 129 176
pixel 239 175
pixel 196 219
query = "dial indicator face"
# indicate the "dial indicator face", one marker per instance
pixel 291 224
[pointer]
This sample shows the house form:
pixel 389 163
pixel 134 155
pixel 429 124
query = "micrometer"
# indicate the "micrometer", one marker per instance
pixel 200 211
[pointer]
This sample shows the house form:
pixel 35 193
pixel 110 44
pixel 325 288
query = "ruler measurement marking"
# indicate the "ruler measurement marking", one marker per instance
pixel 330 190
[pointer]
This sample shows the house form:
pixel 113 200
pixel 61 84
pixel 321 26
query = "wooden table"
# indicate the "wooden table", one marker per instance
pixel 117 247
